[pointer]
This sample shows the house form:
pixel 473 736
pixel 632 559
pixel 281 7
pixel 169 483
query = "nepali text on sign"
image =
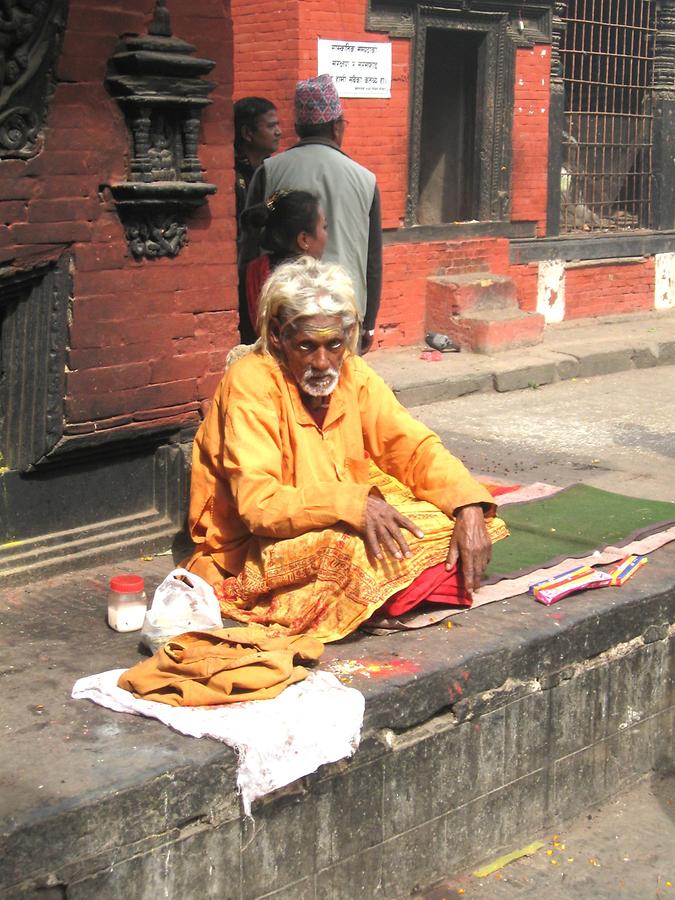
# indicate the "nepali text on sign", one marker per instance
pixel 358 68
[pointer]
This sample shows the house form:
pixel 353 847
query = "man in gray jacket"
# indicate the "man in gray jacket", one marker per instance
pixel 348 192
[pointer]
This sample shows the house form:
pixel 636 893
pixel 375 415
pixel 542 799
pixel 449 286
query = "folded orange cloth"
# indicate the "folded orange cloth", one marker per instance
pixel 228 665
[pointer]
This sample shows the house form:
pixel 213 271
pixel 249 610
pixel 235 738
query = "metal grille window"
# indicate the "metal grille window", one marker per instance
pixel 607 54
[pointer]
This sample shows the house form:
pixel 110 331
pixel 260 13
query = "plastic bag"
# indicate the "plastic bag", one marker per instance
pixel 178 606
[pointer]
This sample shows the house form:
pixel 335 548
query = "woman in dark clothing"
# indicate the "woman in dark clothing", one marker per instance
pixel 291 223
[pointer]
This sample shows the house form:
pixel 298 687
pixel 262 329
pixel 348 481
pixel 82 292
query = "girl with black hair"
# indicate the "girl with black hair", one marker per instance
pixel 291 224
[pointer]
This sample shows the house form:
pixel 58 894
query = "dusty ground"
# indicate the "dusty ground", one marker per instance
pixel 624 849
pixel 614 431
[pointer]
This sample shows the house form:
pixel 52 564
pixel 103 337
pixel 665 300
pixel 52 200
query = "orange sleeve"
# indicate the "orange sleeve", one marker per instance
pixel 252 465
pixel 411 452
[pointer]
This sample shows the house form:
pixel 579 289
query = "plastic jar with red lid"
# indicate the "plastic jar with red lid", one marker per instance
pixel 127 602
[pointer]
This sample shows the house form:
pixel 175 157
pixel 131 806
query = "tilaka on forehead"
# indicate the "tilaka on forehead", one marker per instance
pixel 323 331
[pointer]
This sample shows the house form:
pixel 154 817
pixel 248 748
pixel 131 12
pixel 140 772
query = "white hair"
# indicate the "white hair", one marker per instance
pixel 307 287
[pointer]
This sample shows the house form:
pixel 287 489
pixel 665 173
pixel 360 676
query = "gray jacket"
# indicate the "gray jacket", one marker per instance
pixel 350 199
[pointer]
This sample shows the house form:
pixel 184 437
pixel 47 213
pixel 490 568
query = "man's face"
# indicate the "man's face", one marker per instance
pixel 265 137
pixel 314 353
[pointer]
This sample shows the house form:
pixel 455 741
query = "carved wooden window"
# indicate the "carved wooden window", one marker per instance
pixel 462 108
pixel 35 294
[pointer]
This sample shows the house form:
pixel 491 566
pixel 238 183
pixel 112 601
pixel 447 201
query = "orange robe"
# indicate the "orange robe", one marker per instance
pixel 277 506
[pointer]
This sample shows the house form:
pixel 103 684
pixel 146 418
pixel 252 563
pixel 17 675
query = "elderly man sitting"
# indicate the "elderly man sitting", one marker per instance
pixel 316 497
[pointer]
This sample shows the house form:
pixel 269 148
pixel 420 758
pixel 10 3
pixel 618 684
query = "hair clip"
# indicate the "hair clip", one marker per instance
pixel 273 198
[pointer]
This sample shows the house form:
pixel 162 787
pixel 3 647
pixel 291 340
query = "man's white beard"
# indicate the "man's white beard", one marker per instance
pixel 319 383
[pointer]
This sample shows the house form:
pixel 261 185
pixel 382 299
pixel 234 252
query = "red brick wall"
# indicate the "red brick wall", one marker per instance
pixel 407 266
pixel 265 55
pixel 530 136
pixel 377 136
pixel 603 290
pixel 275 45
pixel 147 339
pixel 593 289
pixel 525 278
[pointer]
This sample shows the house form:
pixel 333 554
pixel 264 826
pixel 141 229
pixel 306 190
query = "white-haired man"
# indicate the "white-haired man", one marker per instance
pixel 316 497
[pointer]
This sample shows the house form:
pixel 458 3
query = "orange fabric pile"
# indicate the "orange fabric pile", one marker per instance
pixel 228 665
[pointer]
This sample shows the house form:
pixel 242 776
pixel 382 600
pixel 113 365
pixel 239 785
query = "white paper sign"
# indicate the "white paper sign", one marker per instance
pixel 358 68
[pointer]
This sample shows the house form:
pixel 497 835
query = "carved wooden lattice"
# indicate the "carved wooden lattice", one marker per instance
pixel 33 327
pixel 30 38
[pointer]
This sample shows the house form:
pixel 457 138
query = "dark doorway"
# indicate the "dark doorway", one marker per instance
pixel 449 170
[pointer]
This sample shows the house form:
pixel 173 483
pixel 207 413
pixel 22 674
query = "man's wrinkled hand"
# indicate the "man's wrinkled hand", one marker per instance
pixel 470 545
pixel 383 526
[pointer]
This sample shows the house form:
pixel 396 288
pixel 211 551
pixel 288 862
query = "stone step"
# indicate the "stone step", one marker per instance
pixel 480 312
pixel 147 532
pixel 460 293
pixel 495 331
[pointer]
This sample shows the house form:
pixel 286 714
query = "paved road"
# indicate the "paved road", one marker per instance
pixel 623 850
pixel 614 431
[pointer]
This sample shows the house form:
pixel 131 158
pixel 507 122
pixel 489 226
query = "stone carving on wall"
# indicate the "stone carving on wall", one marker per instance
pixel 159 86
pixel 30 38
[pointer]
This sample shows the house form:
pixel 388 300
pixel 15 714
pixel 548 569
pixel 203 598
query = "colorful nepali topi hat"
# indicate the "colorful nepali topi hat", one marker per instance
pixel 317 101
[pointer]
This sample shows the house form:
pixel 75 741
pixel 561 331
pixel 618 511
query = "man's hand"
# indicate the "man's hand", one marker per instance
pixel 383 529
pixel 470 545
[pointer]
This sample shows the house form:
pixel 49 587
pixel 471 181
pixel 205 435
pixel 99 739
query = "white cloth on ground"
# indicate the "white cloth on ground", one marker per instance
pixel 311 723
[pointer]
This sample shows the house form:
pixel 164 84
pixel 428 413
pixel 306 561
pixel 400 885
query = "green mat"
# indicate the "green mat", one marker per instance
pixel 572 523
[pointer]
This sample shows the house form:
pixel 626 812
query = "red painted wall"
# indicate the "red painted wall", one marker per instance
pixel 147 339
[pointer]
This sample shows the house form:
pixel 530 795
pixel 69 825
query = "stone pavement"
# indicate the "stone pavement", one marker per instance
pixel 574 349
pixel 622 849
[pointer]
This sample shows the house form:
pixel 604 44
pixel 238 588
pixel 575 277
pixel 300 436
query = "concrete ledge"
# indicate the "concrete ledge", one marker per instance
pixel 518 717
